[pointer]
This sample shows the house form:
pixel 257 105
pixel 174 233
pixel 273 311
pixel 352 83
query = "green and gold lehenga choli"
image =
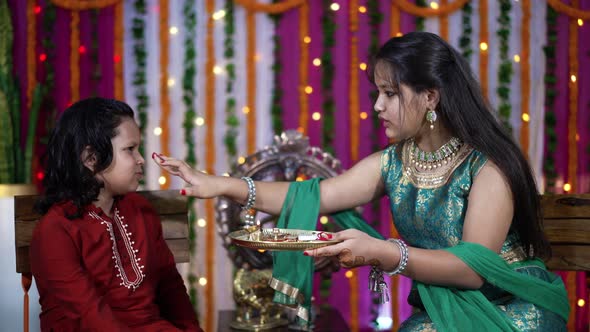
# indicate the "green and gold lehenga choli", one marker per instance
pixel 429 210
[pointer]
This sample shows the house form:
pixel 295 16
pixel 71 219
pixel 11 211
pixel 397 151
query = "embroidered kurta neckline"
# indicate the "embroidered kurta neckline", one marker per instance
pixel 131 251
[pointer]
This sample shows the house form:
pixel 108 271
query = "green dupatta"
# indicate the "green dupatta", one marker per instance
pixel 450 309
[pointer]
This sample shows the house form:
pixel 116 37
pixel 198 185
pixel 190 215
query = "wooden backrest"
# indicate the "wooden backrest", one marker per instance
pixel 171 207
pixel 567 225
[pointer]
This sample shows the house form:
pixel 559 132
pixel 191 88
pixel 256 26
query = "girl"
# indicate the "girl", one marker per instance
pixel 98 255
pixel 462 195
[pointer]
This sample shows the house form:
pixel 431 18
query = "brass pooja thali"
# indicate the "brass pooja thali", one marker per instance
pixel 280 239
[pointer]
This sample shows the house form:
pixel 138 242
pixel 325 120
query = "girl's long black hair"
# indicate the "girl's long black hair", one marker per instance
pixel 422 61
pixel 90 123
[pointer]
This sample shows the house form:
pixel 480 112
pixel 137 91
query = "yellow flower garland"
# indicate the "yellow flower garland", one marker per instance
pixel 251 86
pixel 570 11
pixel 74 57
pixel 119 92
pixel 164 96
pixel 483 38
pixel 444 22
pixel 395 20
pixel 443 9
pixel 276 8
pixel 84 4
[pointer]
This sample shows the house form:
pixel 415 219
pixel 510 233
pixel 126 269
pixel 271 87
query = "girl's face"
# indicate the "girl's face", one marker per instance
pixel 126 169
pixel 400 109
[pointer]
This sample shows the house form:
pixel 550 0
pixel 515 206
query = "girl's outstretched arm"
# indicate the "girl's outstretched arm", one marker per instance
pixel 360 184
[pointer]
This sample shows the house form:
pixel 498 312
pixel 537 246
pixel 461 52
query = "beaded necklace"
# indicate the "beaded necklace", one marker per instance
pixel 133 253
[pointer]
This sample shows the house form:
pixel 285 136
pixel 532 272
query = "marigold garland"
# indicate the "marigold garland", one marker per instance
pixel 354 82
pixel 164 37
pixel 411 8
pixel 275 8
pixel 210 166
pixel 251 77
pixel 444 22
pixel 570 11
pixel 74 57
pixel 77 5
pixel 573 104
pixel 119 92
pixel 31 58
pixel 303 67
pixel 395 21
pixel 525 72
pixel 483 38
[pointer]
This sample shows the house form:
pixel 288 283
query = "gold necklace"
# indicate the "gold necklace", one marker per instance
pixel 431 160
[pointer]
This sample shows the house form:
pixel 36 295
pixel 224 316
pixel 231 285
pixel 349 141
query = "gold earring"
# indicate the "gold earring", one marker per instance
pixel 431 117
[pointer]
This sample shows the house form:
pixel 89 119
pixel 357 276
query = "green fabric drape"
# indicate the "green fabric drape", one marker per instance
pixel 450 309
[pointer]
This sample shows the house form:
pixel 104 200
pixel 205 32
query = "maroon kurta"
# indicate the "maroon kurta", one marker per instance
pixel 76 268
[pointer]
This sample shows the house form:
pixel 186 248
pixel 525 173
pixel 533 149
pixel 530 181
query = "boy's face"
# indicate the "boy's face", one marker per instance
pixel 126 169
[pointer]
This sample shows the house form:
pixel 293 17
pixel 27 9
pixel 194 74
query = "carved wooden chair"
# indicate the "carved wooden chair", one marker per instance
pixel 171 207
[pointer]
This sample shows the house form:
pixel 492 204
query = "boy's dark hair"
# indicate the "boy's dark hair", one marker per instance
pixel 422 61
pixel 90 123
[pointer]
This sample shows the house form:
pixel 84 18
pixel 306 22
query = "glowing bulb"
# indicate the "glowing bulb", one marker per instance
pixel 226 174
pixel 526 117
pixel 201 222
pixel 573 78
pixel 483 46
pixel 157 131
pixel 308 90
pixel 173 30
pixel 567 187
pixel 317 62
pixel 581 302
pixel 363 66
pixel 334 6
pixel 219 14
pixel 364 115
pixel 316 116
pixel 299 179
pixel 324 220
pixel 171 82
pixel 307 39
pixel 349 274
pixel 399 34
pixel 241 160
pixel 217 70
pixel 580 23
pixel 257 57
pixel 516 58
pixel 245 109
pixel 199 121
pixel 261 251
pixel 434 5
pixel 202 281
pixel 362 9
pixel 162 180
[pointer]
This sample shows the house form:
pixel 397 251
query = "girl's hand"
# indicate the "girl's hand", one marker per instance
pixel 201 184
pixel 356 249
